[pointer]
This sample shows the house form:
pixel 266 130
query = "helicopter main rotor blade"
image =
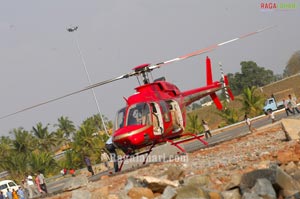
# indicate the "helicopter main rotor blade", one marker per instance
pixel 69 94
pixel 205 50
pixel 151 67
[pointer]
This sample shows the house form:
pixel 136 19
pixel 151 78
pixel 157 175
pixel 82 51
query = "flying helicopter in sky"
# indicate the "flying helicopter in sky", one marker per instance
pixel 156 113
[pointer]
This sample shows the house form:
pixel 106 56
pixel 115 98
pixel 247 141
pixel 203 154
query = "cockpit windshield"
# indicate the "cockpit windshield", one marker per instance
pixel 119 121
pixel 138 114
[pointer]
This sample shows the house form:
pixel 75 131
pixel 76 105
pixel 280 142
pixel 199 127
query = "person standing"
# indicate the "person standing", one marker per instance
pixel 20 193
pixel 287 107
pixel 31 188
pixel 104 158
pixel 14 194
pixel 1 195
pixel 294 105
pixel 206 129
pixel 38 184
pixel 109 145
pixel 42 182
pixel 272 116
pixel 88 164
pixel 9 194
pixel 249 123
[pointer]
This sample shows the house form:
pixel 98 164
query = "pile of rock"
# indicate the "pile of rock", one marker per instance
pixel 260 165
pixel 273 182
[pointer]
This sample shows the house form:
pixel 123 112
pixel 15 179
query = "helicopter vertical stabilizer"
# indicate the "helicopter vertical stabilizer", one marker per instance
pixel 208 72
pixel 209 81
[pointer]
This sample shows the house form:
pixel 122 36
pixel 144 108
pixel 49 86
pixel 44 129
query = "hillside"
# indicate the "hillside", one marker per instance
pixel 210 113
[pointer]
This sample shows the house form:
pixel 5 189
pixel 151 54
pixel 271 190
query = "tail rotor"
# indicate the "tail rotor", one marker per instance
pixel 224 79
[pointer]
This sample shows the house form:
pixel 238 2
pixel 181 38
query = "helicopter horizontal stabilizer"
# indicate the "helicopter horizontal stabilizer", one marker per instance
pixel 216 100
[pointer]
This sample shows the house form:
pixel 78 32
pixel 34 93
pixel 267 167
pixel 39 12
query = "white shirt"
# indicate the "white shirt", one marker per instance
pixel 206 128
pixel 248 121
pixel 29 180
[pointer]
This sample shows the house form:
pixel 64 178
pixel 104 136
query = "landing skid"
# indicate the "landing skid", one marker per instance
pixel 172 142
pixel 193 137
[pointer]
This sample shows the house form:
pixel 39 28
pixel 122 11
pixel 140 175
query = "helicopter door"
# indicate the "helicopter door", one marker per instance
pixel 176 116
pixel 158 127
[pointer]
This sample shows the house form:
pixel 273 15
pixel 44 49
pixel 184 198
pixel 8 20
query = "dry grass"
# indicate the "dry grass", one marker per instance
pixel 210 113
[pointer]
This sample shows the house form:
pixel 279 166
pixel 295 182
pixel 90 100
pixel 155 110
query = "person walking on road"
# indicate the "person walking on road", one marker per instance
pixel 272 116
pixel 206 129
pixel 89 164
pixel 109 145
pixel 249 123
pixel 42 182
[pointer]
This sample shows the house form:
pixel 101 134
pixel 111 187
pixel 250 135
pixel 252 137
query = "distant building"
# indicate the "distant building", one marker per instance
pixel 207 103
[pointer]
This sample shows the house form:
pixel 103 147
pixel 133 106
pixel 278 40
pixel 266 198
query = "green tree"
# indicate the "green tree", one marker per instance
pixel 229 115
pixel 293 65
pixel 95 124
pixel 24 142
pixel 42 161
pixel 15 164
pixel 6 146
pixel 193 124
pixel 66 126
pixel 45 139
pixel 72 159
pixel 252 101
pixel 85 141
pixel 251 75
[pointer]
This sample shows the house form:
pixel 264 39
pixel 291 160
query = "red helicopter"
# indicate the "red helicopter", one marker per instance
pixel 156 113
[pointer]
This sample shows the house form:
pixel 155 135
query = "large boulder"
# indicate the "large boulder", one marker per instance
pixel 157 184
pixel 231 194
pixel 140 192
pixel 264 189
pixel 291 128
pixel 190 192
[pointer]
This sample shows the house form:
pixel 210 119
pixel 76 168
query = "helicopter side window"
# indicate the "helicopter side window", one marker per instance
pixel 138 114
pixel 119 121
pixel 165 111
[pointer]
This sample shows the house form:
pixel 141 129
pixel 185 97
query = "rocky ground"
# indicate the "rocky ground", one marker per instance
pixel 227 170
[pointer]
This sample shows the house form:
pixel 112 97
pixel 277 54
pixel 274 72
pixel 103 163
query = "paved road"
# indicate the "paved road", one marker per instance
pixel 227 133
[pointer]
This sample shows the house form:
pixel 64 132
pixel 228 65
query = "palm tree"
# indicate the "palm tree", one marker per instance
pixel 42 161
pixel 6 146
pixel 72 159
pixel 46 140
pixel 15 164
pixel 66 126
pixel 193 124
pixel 252 101
pixel 24 142
pixel 230 115
pixel 86 142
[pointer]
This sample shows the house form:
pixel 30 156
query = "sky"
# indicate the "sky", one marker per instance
pixel 40 59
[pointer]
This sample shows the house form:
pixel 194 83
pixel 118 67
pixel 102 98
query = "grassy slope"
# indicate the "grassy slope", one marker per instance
pixel 209 113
